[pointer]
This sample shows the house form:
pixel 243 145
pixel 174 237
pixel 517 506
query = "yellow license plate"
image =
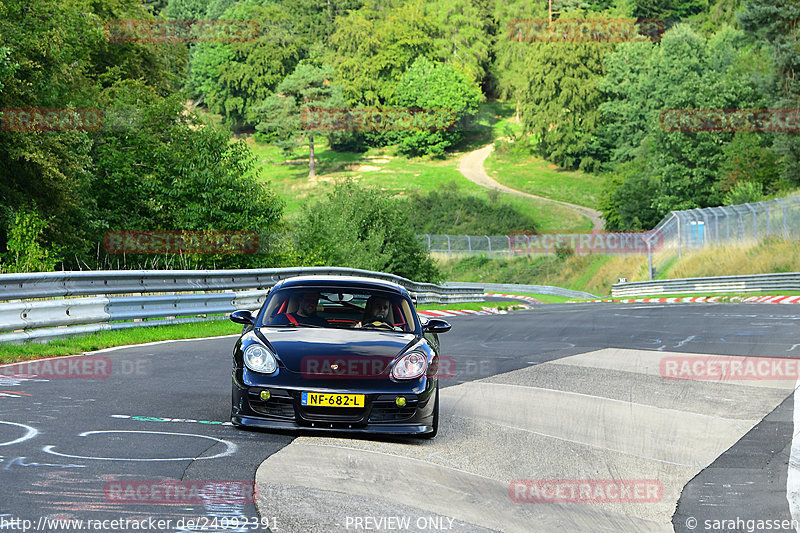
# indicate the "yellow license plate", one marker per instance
pixel 314 399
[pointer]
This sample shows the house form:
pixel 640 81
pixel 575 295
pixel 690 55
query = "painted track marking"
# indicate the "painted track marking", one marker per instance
pixel 231 447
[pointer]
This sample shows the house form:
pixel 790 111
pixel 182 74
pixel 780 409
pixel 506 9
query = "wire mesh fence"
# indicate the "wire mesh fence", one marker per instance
pixel 503 246
pixel 466 245
pixel 742 224
pixel 699 228
pixel 678 232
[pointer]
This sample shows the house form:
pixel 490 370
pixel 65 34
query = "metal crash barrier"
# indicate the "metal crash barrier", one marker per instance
pixel 49 305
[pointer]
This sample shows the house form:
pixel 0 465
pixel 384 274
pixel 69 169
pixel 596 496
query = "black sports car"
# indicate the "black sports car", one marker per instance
pixel 337 354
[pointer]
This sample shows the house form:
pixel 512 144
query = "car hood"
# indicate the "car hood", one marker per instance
pixel 312 351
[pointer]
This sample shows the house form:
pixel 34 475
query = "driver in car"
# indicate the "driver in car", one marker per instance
pixel 376 313
pixel 306 313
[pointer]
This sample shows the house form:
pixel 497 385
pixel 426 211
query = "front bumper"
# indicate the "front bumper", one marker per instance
pixel 380 414
pixel 373 429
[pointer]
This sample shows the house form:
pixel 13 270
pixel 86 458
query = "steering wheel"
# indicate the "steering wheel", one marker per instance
pixel 378 324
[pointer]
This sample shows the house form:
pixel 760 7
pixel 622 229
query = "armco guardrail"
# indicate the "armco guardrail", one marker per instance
pixel 60 304
pixel 533 289
pixel 723 284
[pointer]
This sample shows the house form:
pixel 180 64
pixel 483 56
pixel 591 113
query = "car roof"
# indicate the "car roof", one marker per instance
pixel 340 281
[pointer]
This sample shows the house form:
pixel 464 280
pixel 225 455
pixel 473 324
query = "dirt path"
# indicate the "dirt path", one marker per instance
pixel 471 166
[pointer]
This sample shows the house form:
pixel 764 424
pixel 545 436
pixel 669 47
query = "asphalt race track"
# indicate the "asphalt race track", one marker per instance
pixel 574 417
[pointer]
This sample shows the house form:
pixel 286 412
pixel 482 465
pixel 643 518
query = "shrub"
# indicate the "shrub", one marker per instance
pixel 25 252
pixel 363 228
pixel 744 192
pixel 429 85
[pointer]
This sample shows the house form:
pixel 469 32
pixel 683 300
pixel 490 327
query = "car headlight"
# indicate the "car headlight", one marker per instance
pixel 410 366
pixel 258 358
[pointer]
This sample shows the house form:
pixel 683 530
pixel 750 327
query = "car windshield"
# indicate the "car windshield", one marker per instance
pixel 344 308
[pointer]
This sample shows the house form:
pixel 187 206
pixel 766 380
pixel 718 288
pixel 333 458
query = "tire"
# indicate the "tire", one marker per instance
pixel 435 417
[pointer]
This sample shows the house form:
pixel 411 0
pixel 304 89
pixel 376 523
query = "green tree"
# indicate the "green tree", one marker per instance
pixel 56 55
pixel 705 74
pixel 686 71
pixel 372 47
pixel 314 19
pixel 776 24
pixel 440 88
pixel 363 228
pixel 670 10
pixel 284 115
pixel 629 110
pixel 560 100
pixel 720 13
pixel 168 171
pixel 463 36
pixel 150 165
pixel 627 200
pixel 186 9
pixel 508 68
pixel 234 77
pixel 749 158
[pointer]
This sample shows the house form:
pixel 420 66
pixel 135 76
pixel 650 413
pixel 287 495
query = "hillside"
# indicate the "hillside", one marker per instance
pixel 596 273
pixel 384 168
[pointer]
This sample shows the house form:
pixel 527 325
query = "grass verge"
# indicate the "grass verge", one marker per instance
pixel 467 306
pixel 10 353
pixel 537 176
pixel 591 273
pixel 544 298
pixel 725 295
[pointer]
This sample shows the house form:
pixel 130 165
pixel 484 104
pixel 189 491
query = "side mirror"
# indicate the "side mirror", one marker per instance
pixel 243 317
pixel 436 325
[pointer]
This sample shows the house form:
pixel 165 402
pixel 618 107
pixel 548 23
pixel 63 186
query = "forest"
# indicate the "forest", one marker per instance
pixel 583 101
